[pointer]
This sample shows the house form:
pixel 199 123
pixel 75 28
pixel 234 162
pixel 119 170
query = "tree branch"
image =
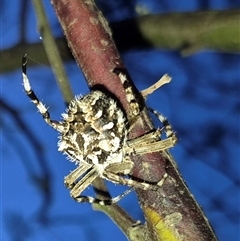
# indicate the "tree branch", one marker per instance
pixel 191 32
pixel 171 212
pixel 52 51
pixel 210 30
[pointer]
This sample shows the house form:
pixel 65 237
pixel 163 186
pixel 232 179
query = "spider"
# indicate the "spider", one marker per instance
pixel 94 135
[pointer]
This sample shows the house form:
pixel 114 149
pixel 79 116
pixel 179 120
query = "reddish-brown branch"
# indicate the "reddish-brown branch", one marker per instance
pixel 171 212
pixel 89 38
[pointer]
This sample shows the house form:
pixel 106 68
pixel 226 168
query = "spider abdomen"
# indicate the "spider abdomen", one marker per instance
pixel 95 129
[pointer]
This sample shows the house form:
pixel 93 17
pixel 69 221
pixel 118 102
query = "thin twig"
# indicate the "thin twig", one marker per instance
pixel 52 51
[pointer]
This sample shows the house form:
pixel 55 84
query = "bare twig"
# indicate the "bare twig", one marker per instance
pixel 52 51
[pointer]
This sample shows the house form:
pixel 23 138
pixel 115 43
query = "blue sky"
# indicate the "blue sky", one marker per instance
pixel 201 102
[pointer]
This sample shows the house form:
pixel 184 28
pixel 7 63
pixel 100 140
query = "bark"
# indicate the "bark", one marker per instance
pixel 171 212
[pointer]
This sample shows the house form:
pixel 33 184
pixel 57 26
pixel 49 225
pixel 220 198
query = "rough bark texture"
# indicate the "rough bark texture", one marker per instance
pixel 171 212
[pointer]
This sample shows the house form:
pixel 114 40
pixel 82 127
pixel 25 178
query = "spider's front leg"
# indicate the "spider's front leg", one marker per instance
pixel 40 106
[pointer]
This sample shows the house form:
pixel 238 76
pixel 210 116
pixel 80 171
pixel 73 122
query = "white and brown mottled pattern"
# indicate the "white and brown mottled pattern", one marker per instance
pixel 94 135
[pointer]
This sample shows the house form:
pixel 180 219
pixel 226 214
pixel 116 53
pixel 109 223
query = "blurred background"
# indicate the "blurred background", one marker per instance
pixel 202 103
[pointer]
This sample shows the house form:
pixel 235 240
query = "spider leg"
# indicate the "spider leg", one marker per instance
pixel 165 79
pixel 70 179
pixel 106 202
pixel 40 106
pixel 167 127
pixel 151 142
pixel 144 148
pixel 115 178
pixel 123 167
pixel 131 98
pixel 83 183
pixel 150 137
